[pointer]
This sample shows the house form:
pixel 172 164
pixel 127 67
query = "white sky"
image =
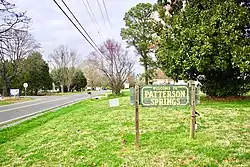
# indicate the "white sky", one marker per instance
pixel 51 28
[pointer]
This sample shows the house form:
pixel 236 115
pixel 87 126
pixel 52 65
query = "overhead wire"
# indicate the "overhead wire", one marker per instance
pixel 78 22
pixel 91 17
pixel 94 46
pixel 91 10
pixel 106 11
pixel 101 12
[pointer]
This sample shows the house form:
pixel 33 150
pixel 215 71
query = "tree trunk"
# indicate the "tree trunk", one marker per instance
pixel 6 91
pixel 145 61
pixel 62 88
pixel 36 92
pixel 146 72
pixel 118 91
pixel 117 88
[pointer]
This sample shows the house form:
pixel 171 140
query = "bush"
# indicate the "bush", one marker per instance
pixel 226 83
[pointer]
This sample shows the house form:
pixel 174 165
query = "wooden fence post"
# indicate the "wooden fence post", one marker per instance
pixel 192 132
pixel 137 115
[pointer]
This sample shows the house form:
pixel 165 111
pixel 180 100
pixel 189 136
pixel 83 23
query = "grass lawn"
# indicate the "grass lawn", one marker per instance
pixel 7 100
pixel 92 134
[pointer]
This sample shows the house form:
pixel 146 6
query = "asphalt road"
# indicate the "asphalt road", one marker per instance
pixel 12 112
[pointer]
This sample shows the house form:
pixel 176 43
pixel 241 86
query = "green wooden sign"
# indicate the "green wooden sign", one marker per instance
pixel 164 95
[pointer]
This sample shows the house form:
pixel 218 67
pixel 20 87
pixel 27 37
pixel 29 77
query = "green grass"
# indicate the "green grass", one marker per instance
pixel 92 134
pixel 7 101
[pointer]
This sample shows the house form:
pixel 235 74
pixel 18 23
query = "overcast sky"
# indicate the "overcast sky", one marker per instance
pixel 51 28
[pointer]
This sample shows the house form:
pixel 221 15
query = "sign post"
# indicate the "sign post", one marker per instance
pixel 192 102
pixel 137 115
pixel 25 85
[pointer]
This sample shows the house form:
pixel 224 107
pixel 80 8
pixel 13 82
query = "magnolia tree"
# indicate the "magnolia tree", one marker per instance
pixel 114 62
pixel 208 41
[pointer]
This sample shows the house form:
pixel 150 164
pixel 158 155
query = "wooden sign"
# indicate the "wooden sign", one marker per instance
pixel 164 95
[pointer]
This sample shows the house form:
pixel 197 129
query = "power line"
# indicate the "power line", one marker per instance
pixel 101 11
pixel 91 11
pixel 103 1
pixel 91 17
pixel 79 22
pixel 96 49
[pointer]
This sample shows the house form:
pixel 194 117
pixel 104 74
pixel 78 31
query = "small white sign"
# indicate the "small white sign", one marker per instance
pixel 14 92
pixel 25 85
pixel 126 85
pixel 114 103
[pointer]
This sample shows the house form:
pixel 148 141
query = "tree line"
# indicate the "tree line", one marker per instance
pixel 20 58
pixel 21 61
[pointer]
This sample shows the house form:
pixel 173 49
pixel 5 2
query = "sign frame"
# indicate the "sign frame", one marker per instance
pixel 14 92
pixel 178 86
pixel 190 98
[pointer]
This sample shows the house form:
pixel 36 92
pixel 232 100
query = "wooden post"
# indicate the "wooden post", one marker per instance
pixel 137 115
pixel 192 132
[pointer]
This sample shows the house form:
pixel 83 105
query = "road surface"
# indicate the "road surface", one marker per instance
pixel 12 112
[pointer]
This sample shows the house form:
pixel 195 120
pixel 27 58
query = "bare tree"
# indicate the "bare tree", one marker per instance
pixel 132 80
pixel 94 76
pixel 64 61
pixel 12 21
pixel 14 46
pixel 11 18
pixel 115 63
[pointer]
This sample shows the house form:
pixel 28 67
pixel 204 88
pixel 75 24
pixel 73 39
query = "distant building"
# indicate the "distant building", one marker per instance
pixel 98 88
pixel 162 79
